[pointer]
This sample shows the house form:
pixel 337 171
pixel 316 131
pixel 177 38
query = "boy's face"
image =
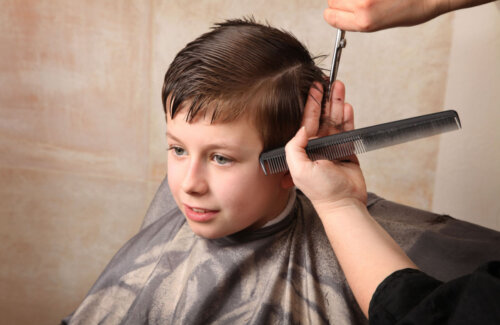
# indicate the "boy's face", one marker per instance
pixel 215 176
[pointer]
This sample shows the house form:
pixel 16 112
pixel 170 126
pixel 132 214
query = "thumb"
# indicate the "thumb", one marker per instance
pixel 296 155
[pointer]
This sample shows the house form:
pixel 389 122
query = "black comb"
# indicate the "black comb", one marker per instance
pixel 345 144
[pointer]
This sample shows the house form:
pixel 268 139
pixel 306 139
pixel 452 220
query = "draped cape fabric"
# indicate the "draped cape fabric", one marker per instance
pixel 286 273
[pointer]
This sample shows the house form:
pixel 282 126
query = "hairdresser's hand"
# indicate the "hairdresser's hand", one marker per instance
pixel 312 110
pixel 373 15
pixel 327 184
pixel 332 116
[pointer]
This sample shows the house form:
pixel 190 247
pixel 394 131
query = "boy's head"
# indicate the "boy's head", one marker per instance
pixel 242 68
pixel 228 95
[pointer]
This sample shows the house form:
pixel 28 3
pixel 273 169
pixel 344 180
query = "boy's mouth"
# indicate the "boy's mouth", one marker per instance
pixel 199 214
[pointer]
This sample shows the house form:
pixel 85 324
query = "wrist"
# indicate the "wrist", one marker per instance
pixel 347 206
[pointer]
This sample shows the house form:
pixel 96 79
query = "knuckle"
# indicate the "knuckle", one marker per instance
pixel 365 5
pixel 364 17
pixel 330 16
pixel 365 24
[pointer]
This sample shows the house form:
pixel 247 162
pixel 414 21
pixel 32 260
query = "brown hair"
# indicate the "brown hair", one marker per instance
pixel 242 68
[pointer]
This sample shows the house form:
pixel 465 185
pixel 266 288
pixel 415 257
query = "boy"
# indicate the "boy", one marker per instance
pixel 228 96
pixel 238 247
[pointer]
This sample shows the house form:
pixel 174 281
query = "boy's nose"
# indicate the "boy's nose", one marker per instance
pixel 194 182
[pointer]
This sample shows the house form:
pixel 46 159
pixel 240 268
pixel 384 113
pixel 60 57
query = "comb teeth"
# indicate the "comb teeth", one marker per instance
pixel 343 145
pixel 339 150
pixel 274 162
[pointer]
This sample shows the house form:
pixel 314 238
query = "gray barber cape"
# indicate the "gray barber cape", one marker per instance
pixel 286 273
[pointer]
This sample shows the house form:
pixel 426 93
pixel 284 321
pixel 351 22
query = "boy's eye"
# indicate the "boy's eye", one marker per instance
pixel 178 151
pixel 221 160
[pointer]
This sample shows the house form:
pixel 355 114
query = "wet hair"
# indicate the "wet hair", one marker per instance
pixel 244 69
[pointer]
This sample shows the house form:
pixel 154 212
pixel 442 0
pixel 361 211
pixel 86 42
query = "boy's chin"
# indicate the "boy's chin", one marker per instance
pixel 206 233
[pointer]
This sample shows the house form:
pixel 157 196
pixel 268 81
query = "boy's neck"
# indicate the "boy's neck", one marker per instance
pixel 292 195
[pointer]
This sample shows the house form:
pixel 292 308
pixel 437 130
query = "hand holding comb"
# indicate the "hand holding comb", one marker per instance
pixel 342 145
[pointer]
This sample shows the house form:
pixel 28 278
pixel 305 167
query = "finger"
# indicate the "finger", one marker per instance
pixel 348 117
pixel 348 124
pixel 343 5
pixel 344 20
pixel 312 109
pixel 337 105
pixel 334 111
pixel 296 155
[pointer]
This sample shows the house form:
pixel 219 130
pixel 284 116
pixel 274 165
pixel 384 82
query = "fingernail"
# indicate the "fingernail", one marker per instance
pixel 301 130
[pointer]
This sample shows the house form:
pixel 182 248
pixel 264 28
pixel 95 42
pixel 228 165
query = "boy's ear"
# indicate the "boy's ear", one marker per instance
pixel 287 181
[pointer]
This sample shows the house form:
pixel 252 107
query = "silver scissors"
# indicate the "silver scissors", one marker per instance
pixel 340 43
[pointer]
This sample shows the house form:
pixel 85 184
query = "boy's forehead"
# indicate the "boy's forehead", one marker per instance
pixel 235 133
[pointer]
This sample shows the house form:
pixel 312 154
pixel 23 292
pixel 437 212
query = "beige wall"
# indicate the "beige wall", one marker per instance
pixel 467 182
pixel 82 134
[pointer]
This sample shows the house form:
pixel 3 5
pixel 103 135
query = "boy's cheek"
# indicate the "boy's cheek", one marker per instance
pixel 173 177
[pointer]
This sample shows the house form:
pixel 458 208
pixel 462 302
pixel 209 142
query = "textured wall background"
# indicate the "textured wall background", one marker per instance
pixel 467 182
pixel 82 147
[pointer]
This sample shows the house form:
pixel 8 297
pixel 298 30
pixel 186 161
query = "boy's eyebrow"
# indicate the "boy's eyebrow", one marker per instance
pixel 211 146
pixel 170 135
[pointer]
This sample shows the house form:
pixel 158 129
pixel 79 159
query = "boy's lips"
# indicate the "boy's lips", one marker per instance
pixel 199 214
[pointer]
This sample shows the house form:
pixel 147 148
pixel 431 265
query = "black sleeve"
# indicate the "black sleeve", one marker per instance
pixel 410 296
